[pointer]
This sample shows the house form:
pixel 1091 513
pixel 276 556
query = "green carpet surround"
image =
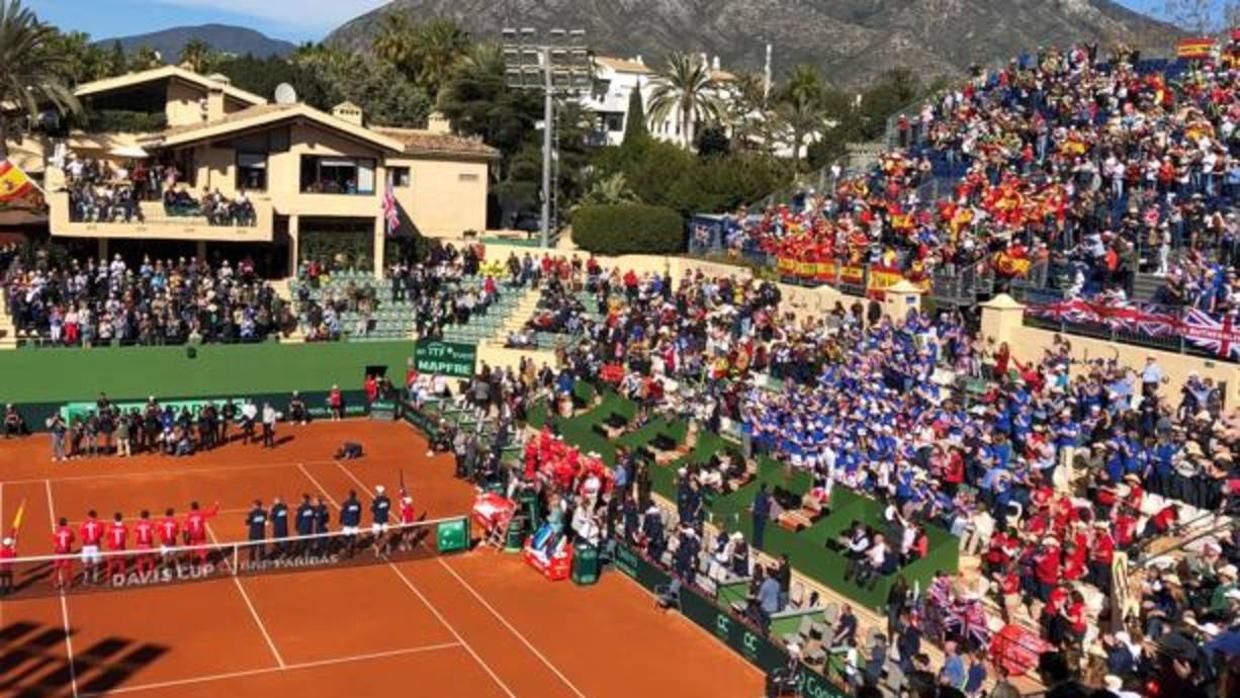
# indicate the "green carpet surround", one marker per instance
pixel 807 549
pixel 40 381
pixel 61 375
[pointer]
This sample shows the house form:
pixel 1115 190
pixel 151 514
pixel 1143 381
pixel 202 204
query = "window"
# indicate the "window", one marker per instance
pixel 463 177
pixel 332 175
pixel 613 121
pixel 400 176
pixel 252 171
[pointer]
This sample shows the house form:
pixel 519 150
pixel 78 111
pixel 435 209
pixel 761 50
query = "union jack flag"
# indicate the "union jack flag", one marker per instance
pixel 391 213
pixel 1217 334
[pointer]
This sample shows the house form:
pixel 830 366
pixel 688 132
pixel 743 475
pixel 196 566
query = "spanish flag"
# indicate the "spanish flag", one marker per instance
pixel 17 520
pixel 1196 48
pixel 14 184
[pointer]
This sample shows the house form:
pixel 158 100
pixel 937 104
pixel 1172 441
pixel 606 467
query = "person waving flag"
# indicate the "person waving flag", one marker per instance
pixel 14 183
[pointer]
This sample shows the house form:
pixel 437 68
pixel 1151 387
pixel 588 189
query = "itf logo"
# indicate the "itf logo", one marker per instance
pixel 750 645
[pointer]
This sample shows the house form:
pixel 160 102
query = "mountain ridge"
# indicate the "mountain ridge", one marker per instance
pixel 225 38
pixel 850 40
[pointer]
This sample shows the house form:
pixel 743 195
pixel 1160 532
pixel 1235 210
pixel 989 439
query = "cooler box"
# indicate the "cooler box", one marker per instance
pixel 452 536
pixel 528 501
pixel 516 535
pixel 585 564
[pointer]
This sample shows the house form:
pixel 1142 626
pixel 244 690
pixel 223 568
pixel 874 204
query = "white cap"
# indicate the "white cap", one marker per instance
pixel 379 489
pixel 8 541
pixel 407 499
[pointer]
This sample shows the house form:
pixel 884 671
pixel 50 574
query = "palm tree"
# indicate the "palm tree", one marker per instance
pixel 609 190
pixel 685 87
pixel 800 107
pixel 802 116
pixel 395 41
pixel 146 58
pixel 196 55
pixel 31 74
pixel 440 45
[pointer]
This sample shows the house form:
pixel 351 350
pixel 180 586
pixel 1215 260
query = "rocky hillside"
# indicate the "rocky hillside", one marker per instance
pixel 852 40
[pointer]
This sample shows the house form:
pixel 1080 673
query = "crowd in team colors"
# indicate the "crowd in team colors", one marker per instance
pixel 859 401
pixel 109 551
pixel 1093 161
pixel 96 302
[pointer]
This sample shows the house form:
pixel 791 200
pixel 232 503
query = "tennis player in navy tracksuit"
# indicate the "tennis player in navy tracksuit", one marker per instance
pixel 256 521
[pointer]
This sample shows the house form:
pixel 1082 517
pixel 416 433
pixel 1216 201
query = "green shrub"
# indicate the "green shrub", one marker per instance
pixel 628 229
pixel 124 121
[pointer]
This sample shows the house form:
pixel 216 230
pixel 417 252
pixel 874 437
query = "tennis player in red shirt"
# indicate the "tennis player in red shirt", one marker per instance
pixel 8 553
pixel 196 529
pixel 167 529
pixel 91 531
pixel 407 518
pixel 144 539
pixel 118 540
pixel 62 546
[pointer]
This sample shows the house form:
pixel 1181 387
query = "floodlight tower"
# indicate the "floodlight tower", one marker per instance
pixel 557 64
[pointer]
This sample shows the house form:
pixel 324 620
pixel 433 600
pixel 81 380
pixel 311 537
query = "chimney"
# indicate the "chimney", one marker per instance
pixel 714 64
pixel 348 111
pixel 705 61
pixel 638 59
pixel 437 123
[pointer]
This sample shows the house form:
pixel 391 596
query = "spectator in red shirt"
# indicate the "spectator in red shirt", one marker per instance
pixel 372 388
pixel 335 401
pixel 1046 568
pixel 1101 554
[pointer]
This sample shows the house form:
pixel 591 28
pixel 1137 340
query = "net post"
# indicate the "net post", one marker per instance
pixel 235 555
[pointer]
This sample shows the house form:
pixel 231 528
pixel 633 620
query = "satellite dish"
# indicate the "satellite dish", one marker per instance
pixel 285 94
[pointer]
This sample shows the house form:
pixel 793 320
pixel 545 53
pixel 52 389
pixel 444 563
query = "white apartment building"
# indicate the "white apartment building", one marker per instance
pixel 615 79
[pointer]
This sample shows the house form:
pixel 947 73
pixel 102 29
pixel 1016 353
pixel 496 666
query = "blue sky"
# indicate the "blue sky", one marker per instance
pixel 294 20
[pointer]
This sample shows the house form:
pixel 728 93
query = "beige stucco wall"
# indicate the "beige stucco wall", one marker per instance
pixel 182 107
pixel 446 197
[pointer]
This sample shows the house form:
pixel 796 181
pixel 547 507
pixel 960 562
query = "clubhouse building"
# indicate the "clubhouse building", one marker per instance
pixel 313 184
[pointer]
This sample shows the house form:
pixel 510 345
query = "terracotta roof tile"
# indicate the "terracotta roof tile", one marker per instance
pixel 425 142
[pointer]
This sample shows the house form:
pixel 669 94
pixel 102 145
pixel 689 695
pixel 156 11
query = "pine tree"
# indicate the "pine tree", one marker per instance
pixel 117 65
pixel 635 122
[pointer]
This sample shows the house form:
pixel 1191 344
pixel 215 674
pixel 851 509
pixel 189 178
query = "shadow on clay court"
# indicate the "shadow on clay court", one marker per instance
pixel 33 665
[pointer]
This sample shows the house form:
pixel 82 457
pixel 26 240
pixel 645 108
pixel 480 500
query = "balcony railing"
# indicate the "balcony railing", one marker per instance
pixel 153 220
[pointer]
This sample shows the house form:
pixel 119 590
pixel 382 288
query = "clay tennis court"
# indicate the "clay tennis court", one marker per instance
pixel 472 624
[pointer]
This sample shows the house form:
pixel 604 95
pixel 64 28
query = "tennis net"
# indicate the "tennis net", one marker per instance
pixel 92 572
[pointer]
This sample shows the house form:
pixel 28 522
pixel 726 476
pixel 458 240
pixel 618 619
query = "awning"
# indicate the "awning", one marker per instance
pixel 129 151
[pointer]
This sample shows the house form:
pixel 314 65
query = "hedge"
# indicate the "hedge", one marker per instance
pixel 628 229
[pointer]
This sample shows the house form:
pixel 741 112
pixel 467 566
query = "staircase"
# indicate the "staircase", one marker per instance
pixel 8 331
pixel 518 316
pixel 1145 286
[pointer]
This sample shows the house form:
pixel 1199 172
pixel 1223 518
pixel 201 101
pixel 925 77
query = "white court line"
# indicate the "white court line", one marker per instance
pixel 64 605
pixel 253 611
pixel 178 472
pixel 425 601
pixel 528 645
pixel 271 670
pixel 351 475
pixel 452 630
